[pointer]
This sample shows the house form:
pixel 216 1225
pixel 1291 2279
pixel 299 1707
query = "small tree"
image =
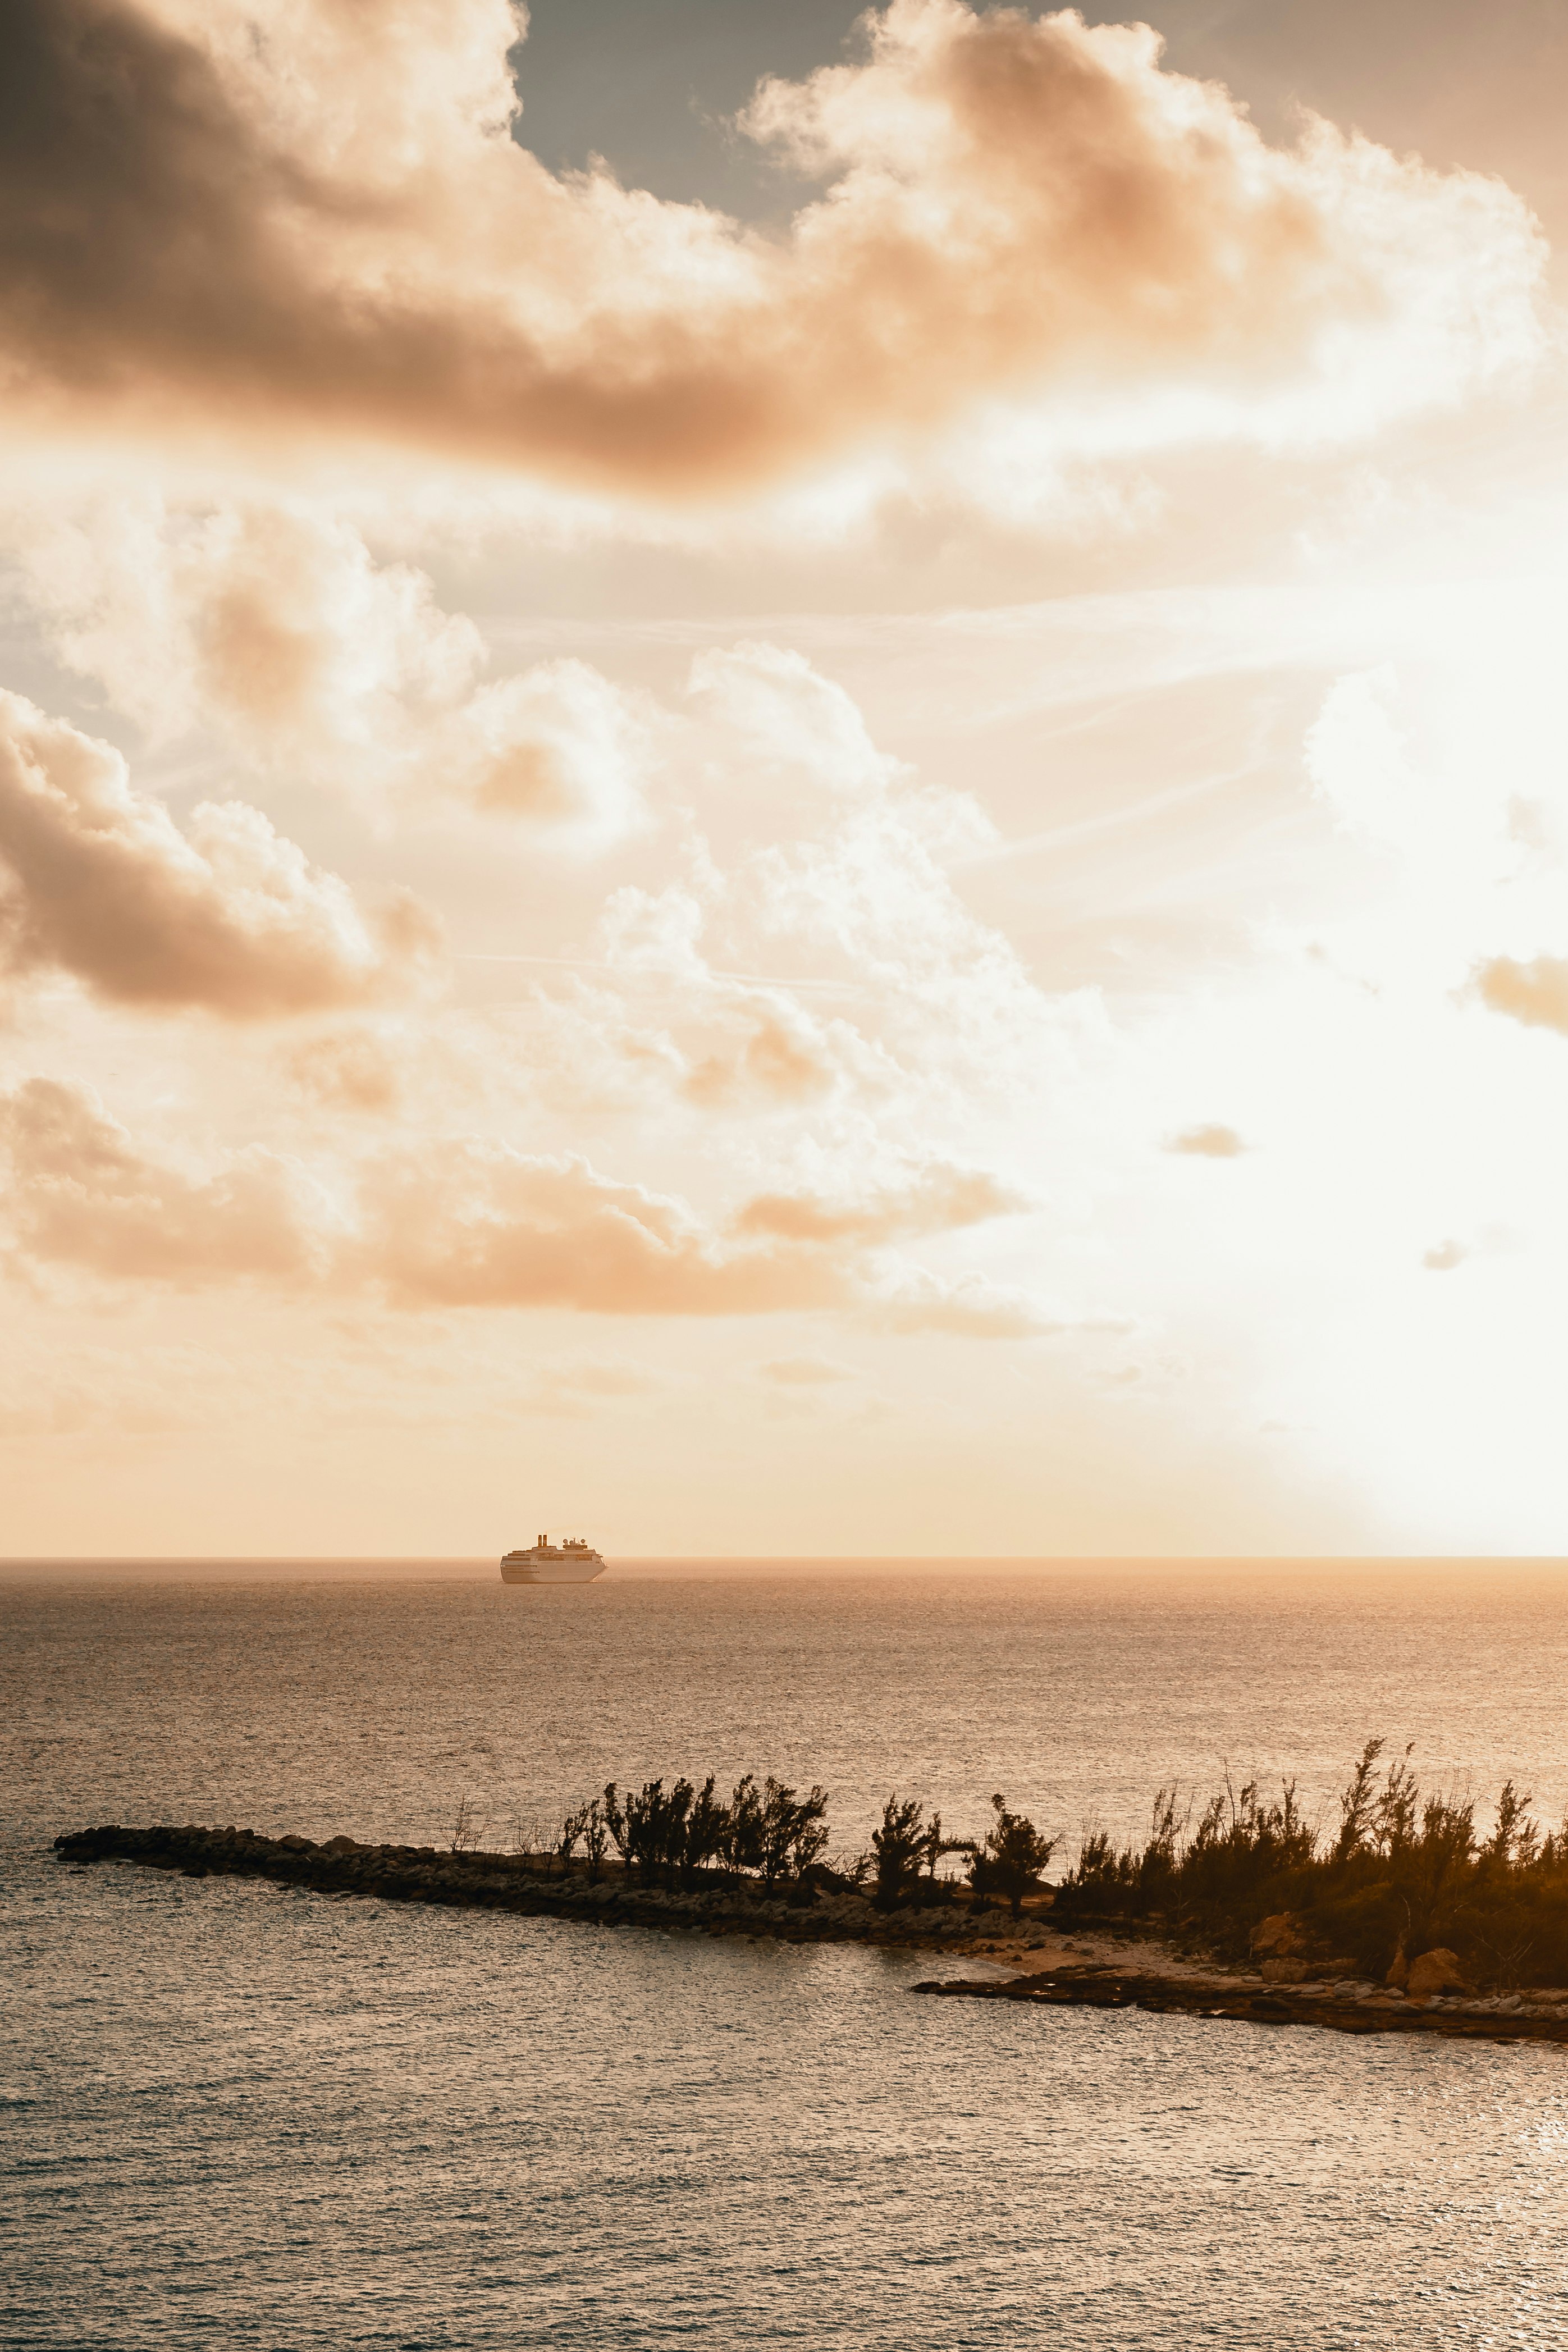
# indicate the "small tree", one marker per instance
pixel 742 1847
pixel 809 1837
pixel 613 1813
pixel 650 1827
pixel 706 1830
pixel 937 1844
pixel 523 1833
pixel 792 1834
pixel 467 1828
pixel 1396 1812
pixel 1357 1805
pixel 670 1827
pixel 1516 1841
pixel 595 1836
pixel 1011 1858
pixel 570 1830
pixel 899 1846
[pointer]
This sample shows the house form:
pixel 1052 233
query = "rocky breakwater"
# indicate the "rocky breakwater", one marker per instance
pixel 819 1907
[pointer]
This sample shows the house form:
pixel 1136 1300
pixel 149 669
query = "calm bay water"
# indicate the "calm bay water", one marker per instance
pixel 234 2116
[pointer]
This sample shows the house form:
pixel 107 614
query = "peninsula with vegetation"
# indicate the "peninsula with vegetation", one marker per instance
pixel 1405 1918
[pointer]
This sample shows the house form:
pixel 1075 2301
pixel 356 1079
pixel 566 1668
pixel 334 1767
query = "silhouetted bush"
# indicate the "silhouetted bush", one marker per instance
pixel 900 1846
pixel 1011 1857
pixel 674 1833
pixel 793 1831
pixel 904 1853
pixel 702 1841
pixel 742 1842
pixel 1403 1873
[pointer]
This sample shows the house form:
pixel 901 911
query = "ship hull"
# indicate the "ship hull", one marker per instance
pixel 551 1572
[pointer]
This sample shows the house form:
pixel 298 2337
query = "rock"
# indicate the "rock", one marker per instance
pixel 1278 1935
pixel 1437 1971
pixel 1285 1971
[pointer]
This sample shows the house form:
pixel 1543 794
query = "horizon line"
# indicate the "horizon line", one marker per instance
pixel 1071 1559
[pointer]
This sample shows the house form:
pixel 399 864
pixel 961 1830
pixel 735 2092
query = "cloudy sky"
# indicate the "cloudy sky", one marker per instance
pixel 783 783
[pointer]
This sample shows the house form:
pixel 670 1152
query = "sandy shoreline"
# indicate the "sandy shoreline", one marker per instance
pixel 1107 1971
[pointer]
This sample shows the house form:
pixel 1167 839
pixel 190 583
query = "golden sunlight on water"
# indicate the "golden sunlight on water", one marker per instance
pixel 231 2111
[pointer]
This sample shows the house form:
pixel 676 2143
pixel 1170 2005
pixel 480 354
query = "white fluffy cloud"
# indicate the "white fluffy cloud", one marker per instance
pixel 852 885
pixel 82 1195
pixel 97 880
pixel 557 748
pixel 465 1223
pixel 1535 992
pixel 204 233
pixel 270 623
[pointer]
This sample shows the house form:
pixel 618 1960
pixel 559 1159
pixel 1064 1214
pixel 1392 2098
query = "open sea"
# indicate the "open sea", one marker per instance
pixel 233 2116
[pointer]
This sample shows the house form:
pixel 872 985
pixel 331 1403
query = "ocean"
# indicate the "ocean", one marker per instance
pixel 235 2116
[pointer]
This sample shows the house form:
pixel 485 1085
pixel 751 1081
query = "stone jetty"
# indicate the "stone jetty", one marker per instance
pixel 822 1907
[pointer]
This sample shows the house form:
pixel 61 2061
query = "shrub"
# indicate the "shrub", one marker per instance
pixel 1010 1858
pixel 791 1833
pixel 1403 1873
pixel 899 1846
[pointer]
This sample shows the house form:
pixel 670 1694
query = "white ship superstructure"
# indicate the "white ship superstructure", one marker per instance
pixel 573 1561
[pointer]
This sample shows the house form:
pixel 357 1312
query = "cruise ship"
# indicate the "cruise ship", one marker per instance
pixel 571 1561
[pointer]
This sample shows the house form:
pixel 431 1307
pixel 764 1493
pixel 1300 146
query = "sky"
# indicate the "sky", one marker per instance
pixel 782 783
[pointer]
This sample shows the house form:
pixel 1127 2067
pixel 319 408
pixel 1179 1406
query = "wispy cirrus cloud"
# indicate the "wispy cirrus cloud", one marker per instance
pixel 806 1371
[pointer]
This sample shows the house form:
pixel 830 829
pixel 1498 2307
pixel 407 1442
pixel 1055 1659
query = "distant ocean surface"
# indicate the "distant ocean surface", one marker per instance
pixel 232 2116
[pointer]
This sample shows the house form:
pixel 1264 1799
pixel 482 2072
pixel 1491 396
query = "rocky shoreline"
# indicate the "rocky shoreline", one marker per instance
pixel 1360 2007
pixel 819 1911
pixel 1095 1972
